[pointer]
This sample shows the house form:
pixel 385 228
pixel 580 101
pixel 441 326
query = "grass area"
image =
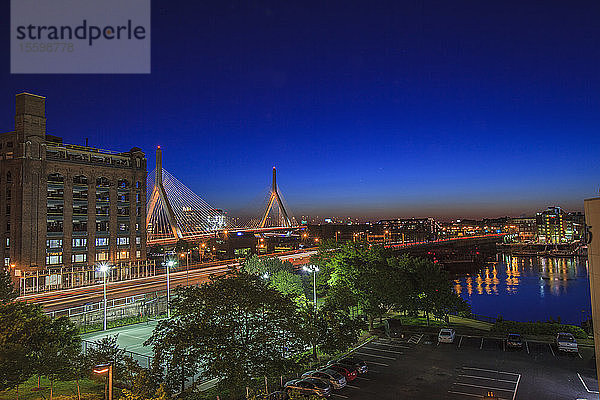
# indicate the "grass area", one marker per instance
pixel 90 390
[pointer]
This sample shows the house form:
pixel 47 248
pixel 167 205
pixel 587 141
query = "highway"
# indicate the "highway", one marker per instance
pixel 197 274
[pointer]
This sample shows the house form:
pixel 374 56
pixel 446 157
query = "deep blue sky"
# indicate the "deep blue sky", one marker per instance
pixel 400 108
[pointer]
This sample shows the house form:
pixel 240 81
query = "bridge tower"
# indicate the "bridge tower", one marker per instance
pixel 275 197
pixel 159 198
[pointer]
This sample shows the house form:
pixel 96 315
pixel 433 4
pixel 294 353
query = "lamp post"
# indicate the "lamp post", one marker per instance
pixel 187 267
pixel 313 269
pixel 170 263
pixel 102 369
pixel 104 268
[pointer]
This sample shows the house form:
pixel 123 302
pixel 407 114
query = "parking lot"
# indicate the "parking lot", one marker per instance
pixel 417 367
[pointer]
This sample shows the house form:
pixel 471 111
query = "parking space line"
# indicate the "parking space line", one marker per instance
pixel 375 355
pixel 484 377
pixel 460 342
pixel 516 387
pixel 483 387
pixel 384 350
pixel 481 345
pixel 353 387
pixel 339 395
pixel 491 370
pixel 551 349
pixel 579 355
pixel 377 363
pixel 471 394
pixel 585 386
pixel 391 345
pixel 527 346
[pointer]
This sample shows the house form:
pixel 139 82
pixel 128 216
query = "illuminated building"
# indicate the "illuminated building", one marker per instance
pixel 65 205
pixel 555 225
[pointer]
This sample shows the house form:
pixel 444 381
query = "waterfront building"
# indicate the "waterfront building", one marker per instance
pixel 65 206
pixel 524 227
pixel 554 226
pixel 409 230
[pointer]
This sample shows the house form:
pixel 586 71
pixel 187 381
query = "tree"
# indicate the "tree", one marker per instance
pixel 59 352
pixel 106 350
pixel 23 332
pixel 428 287
pixel 7 288
pixel 256 265
pixel 288 284
pixel 182 246
pixel 234 327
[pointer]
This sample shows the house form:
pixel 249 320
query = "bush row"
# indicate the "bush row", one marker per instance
pixel 537 328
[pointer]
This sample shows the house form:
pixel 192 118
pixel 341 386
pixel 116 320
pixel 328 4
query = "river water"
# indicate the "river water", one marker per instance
pixel 529 289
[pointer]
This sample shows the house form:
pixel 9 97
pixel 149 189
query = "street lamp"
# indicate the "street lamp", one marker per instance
pixel 314 269
pixel 104 268
pixel 170 264
pixel 102 369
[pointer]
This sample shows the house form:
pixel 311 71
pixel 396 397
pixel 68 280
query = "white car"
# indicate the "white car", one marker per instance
pixel 566 342
pixel 446 335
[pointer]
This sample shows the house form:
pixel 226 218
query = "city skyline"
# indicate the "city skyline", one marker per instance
pixel 415 116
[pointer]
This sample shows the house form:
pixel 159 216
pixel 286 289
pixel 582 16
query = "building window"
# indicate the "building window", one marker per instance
pixel 8 209
pixel 7 226
pixel 102 182
pixel 123 227
pixel 138 198
pixel 102 241
pixel 122 241
pixel 138 254
pixel 123 197
pixel 101 226
pixel 7 243
pixel 53 259
pixel 123 254
pixel 102 196
pixel 123 184
pixel 102 256
pixel 80 180
pixel 138 185
pixel 138 211
pixel 76 258
pixel 79 226
pixel 123 211
pixel 8 193
pixel 6 261
pixel 8 177
pixel 55 226
pixel 56 178
pixel 9 144
pixel 54 243
pixel 79 242
pixel 138 240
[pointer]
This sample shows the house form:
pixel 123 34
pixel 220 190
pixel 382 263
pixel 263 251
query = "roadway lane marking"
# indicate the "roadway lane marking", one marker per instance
pixel 491 370
pixel 471 394
pixel 384 350
pixel 503 345
pixel 353 387
pixel 339 395
pixel 585 386
pixel 551 349
pixel 376 355
pixel 460 342
pixel 527 346
pixel 484 377
pixel 481 345
pixel 377 363
pixel 579 355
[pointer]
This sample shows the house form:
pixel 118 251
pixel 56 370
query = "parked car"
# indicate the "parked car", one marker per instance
pixel 514 341
pixel 346 370
pixel 334 378
pixel 360 365
pixel 566 342
pixel 309 386
pixel 446 335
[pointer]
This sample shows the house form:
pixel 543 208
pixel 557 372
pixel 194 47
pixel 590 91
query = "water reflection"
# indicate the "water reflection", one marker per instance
pixel 531 282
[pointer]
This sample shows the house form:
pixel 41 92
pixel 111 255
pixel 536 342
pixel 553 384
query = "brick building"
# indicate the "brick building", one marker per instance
pixel 67 206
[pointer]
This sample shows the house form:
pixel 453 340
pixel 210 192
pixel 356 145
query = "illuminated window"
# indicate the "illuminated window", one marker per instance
pixel 53 259
pixel 102 256
pixel 101 241
pixel 122 241
pixel 79 257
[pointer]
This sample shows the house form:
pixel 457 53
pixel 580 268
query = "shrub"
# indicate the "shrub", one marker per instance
pixel 537 328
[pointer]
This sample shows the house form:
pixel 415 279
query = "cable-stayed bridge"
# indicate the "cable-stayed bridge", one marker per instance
pixel 175 212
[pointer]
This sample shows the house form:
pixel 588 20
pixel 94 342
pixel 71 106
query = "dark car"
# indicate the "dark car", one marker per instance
pixel 514 341
pixel 360 365
pixel 335 379
pixel 347 371
pixel 309 386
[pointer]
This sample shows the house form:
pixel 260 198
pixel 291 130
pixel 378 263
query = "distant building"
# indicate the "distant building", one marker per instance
pixel 525 227
pixel 555 225
pixel 65 205
pixel 409 230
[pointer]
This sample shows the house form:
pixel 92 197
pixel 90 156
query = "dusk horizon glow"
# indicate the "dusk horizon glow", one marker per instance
pixel 461 110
